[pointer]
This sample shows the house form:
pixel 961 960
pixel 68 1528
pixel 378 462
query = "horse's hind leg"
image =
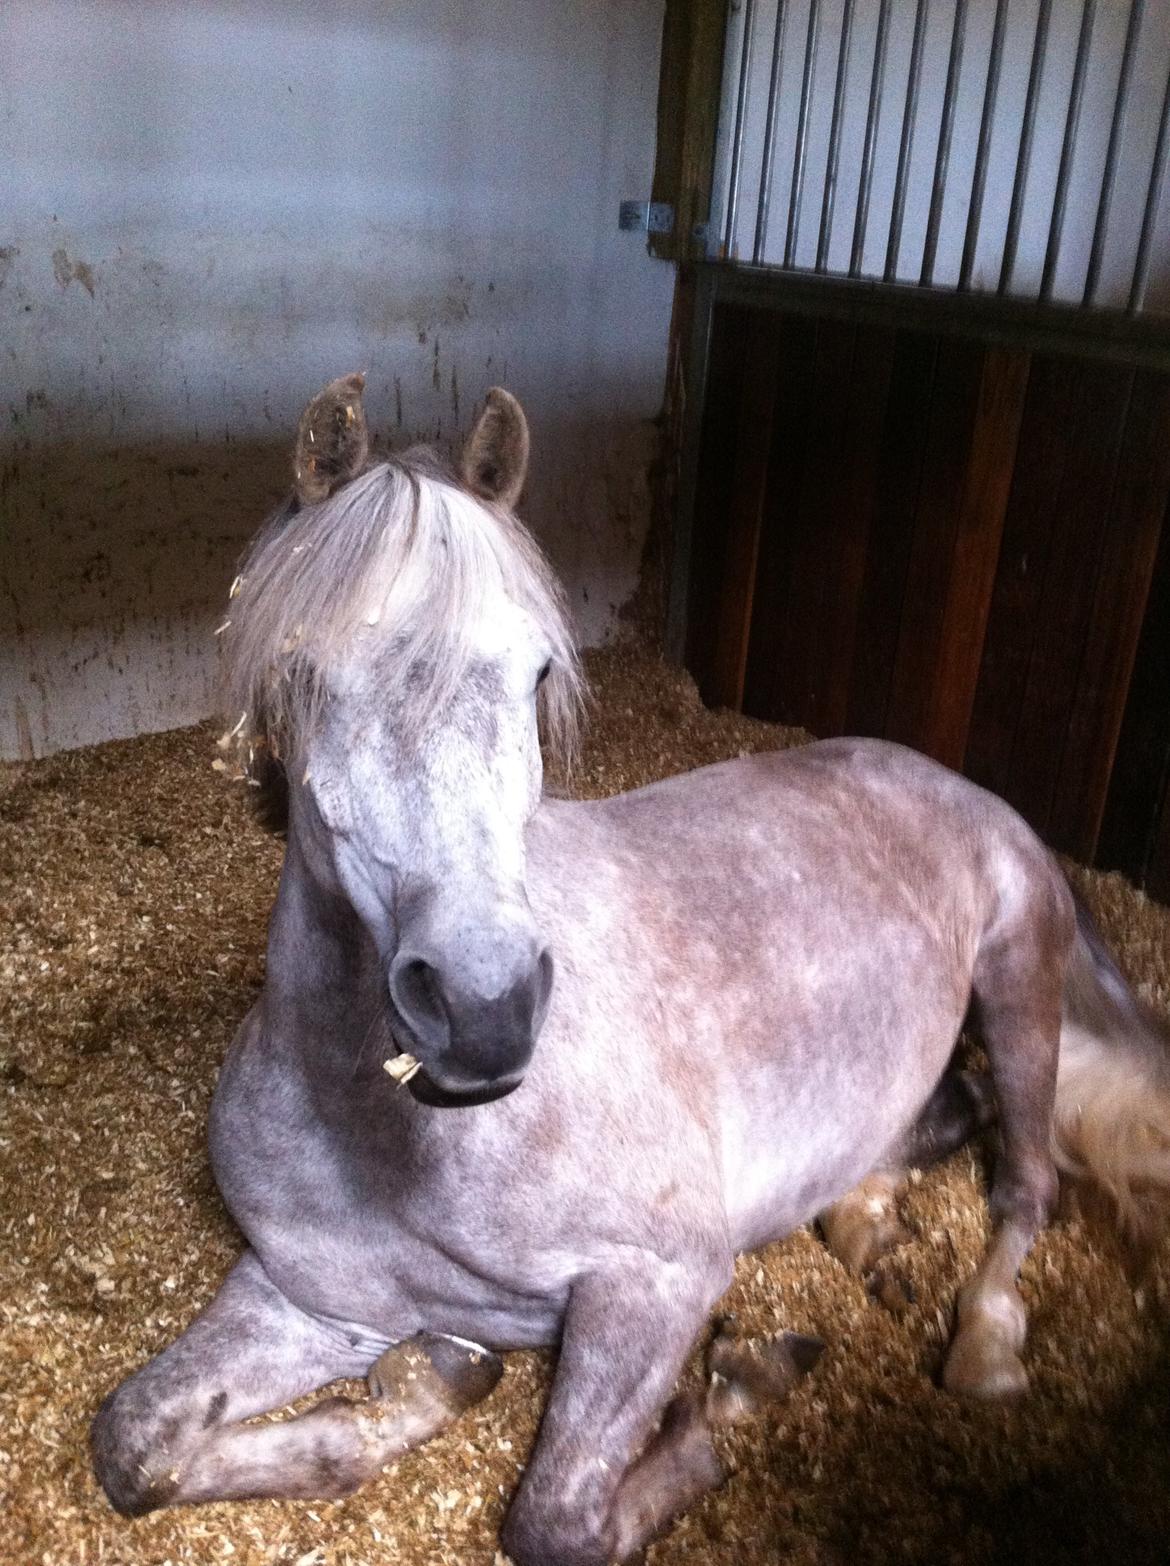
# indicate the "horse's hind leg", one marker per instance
pixel 1018 981
pixel 864 1225
pixel 171 1433
pixel 962 1105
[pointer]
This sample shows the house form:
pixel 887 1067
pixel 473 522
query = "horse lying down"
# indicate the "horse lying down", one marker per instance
pixel 651 1031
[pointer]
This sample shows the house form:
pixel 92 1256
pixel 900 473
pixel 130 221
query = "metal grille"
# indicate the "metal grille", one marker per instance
pixel 1016 147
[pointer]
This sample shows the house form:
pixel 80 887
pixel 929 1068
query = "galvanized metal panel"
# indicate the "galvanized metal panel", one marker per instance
pixel 1017 147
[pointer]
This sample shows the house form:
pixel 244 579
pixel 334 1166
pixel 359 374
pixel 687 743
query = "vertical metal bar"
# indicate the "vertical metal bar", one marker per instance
pixel 1105 200
pixel 829 198
pixel 745 64
pixel 1068 146
pixel 768 160
pixel 909 116
pixel 872 115
pixel 1011 242
pixel 801 152
pixel 983 150
pixel 1141 268
pixel 943 155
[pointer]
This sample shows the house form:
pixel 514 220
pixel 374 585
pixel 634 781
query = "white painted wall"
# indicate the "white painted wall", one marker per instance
pixel 208 208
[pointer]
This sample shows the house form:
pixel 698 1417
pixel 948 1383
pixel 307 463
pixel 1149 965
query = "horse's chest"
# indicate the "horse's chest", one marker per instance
pixel 349 1227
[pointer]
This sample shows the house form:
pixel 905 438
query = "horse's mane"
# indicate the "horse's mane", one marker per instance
pixel 403 556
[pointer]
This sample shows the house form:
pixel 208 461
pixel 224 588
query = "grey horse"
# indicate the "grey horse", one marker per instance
pixel 629 1039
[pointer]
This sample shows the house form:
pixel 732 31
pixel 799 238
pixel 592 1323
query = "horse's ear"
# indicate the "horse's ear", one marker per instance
pixel 333 442
pixel 495 458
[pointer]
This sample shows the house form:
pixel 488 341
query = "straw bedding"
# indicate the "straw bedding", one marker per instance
pixel 135 891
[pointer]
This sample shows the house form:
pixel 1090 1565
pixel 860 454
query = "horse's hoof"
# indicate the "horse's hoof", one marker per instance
pixel 981 1371
pixel 461 1373
pixel 862 1228
pixel 748 1375
pixel 678 1467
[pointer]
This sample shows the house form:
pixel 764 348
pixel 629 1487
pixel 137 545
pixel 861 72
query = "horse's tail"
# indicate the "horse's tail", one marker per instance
pixel 1112 1123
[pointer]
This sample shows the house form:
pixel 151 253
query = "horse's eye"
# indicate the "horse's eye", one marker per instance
pixel 544 673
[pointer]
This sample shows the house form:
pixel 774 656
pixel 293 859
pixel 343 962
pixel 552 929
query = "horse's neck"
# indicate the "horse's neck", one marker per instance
pixel 322 979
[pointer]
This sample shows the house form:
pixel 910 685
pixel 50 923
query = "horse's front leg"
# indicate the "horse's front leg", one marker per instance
pixel 588 1497
pixel 172 1433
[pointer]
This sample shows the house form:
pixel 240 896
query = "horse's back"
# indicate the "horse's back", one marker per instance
pixel 853 812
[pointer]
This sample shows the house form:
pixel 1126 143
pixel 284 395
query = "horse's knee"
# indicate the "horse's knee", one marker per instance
pixel 137 1441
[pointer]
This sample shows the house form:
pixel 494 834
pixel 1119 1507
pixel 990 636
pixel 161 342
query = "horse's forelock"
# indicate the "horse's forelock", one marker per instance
pixel 402 555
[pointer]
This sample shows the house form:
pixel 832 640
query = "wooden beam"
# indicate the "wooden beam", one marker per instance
pixel 690 81
pixel 975 551
pixel 988 318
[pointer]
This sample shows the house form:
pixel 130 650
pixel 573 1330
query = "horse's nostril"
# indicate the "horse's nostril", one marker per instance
pixel 423 983
pixel 417 994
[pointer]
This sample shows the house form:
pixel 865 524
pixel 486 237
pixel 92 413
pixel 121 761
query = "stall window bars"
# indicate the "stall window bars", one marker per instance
pixel 1016 147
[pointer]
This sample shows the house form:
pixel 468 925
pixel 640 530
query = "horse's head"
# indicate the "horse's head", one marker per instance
pixel 393 632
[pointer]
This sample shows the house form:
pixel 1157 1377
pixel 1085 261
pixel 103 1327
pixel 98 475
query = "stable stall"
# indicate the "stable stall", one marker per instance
pixel 843 332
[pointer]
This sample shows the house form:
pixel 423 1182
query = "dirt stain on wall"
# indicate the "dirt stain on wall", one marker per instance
pixel 67 271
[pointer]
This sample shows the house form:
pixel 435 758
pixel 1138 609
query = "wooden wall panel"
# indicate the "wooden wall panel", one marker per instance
pixel 1137 808
pixel 952 415
pixel 1131 526
pixel 749 480
pixel 1061 624
pixel 897 479
pixel 713 494
pixel 841 522
pixel 1033 514
pixel 1156 878
pixel 797 675
pixel 792 421
pixel 965 556
pixel 948 542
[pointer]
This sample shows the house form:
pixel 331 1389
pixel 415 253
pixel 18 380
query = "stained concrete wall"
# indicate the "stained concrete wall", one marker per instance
pixel 209 207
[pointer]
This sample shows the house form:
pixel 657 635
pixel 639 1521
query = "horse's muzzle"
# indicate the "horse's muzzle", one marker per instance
pixel 471 1048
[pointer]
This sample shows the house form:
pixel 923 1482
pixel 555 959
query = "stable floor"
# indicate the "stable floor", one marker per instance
pixel 135 890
